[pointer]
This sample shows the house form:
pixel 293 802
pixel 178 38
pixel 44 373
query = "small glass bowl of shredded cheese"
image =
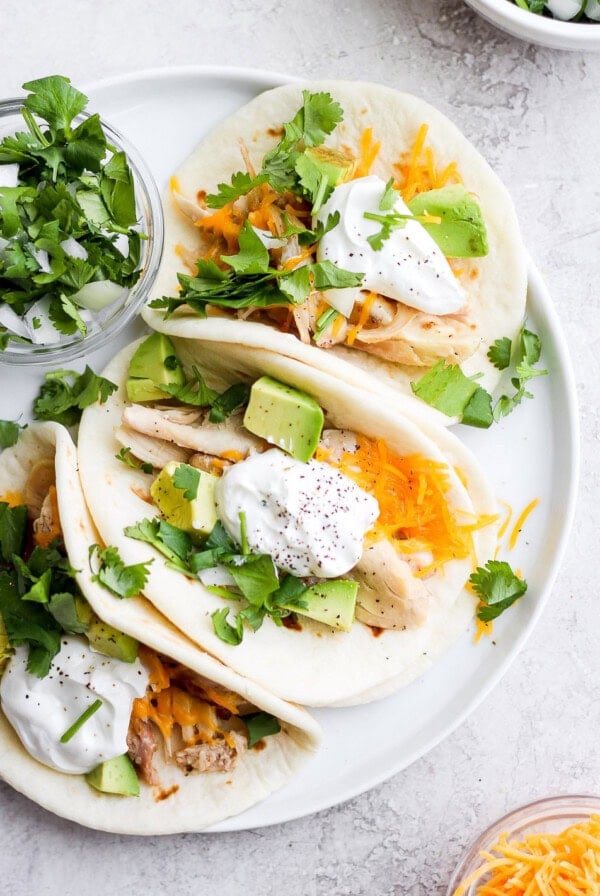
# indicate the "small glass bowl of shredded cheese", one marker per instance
pixel 551 846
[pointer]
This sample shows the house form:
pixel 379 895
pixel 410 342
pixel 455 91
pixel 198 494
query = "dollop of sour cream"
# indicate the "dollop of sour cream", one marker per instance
pixel 309 517
pixel 41 710
pixel 409 267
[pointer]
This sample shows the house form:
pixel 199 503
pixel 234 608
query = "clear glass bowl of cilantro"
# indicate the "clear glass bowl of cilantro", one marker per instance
pixel 81 227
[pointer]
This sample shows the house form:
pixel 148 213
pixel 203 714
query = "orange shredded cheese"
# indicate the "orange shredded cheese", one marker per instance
pixel 368 152
pixel 542 864
pixel 13 499
pixel 365 312
pixel 417 171
pixel 412 493
pixel 168 702
pixel 521 522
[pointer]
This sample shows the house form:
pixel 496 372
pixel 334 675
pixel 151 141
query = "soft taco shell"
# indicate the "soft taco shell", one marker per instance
pixel 198 800
pixel 315 666
pixel 495 284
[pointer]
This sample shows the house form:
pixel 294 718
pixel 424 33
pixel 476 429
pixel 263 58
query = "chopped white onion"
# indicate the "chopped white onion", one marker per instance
pixel 268 240
pixel 9 175
pixel 592 10
pixel 12 321
pixel 74 249
pixel 98 294
pixel 564 9
pixel 42 258
pixel 216 575
pixel 40 328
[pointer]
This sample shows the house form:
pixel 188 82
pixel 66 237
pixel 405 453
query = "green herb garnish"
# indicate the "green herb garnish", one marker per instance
pixel 65 394
pixel 446 388
pixel 497 588
pixel 112 574
pixel 83 718
pixel 126 456
pixel 73 188
pixel 9 433
pixel 259 725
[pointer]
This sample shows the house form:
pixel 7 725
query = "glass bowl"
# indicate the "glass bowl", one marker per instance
pixel 102 325
pixel 550 815
pixel 538 29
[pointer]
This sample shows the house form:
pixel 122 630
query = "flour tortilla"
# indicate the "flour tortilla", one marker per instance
pixel 202 799
pixel 497 294
pixel 316 666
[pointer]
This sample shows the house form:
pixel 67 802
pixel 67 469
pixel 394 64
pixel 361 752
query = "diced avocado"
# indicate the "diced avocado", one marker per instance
pixel 285 417
pixel 332 602
pixel 110 641
pixel 335 165
pixel 461 232
pixel 85 614
pixel 115 776
pixel 153 364
pixel 195 515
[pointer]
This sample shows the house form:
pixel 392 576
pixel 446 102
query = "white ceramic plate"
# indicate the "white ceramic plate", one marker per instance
pixel 533 453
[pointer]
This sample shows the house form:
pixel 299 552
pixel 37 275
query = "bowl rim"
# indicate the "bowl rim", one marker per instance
pixel 530 26
pixel 563 806
pixel 149 199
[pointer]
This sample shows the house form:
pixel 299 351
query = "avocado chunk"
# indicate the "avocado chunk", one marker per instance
pixel 111 642
pixel 461 232
pixel 285 417
pixel 186 497
pixel 332 602
pixel 115 776
pixel 333 164
pixel 153 364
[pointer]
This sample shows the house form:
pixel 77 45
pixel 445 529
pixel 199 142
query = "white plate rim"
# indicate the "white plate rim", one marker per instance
pixel 545 312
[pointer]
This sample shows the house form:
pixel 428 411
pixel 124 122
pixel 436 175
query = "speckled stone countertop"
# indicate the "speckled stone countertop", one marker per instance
pixel 535 115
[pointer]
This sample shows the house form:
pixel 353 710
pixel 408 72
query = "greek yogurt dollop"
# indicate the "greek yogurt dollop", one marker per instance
pixel 409 267
pixel 41 710
pixel 309 517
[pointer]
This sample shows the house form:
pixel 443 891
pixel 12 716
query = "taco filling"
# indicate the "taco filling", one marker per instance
pixel 272 507
pixel 85 698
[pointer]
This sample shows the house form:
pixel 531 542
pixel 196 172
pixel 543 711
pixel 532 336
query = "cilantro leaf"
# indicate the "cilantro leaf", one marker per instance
pixel 236 396
pixel 171 542
pixel 187 479
pixel 9 433
pixel 230 634
pixel 55 100
pixel 126 456
pixel 13 528
pixel 66 393
pixel 194 392
pixel 525 352
pixel 499 353
pixel 253 257
pixel 241 184
pixel 124 581
pixel 497 587
pixel 28 622
pixel 259 725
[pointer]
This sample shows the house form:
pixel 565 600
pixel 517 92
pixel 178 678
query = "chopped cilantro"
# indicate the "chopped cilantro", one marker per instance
pixel 187 479
pixel 230 634
pixel 497 587
pixel 112 574
pixel 446 388
pixel 9 433
pixel 126 456
pixel 259 725
pixel 66 393
pixel 72 185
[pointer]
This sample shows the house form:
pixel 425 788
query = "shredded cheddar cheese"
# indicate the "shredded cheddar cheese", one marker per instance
pixel 417 171
pixel 514 535
pixel 412 493
pixel 368 152
pixel 13 499
pixel 542 864
pixel 171 700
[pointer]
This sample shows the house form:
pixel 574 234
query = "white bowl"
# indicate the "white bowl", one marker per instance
pixel 538 29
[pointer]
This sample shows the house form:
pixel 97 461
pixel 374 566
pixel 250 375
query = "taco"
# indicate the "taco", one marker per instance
pixel 129 726
pixel 388 519
pixel 343 221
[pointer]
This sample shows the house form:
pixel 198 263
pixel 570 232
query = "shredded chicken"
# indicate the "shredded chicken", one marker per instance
pixel 41 477
pixel 190 209
pixel 217 439
pixel 338 442
pixel 212 757
pixel 47 523
pixel 141 744
pixel 152 451
pixel 389 596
